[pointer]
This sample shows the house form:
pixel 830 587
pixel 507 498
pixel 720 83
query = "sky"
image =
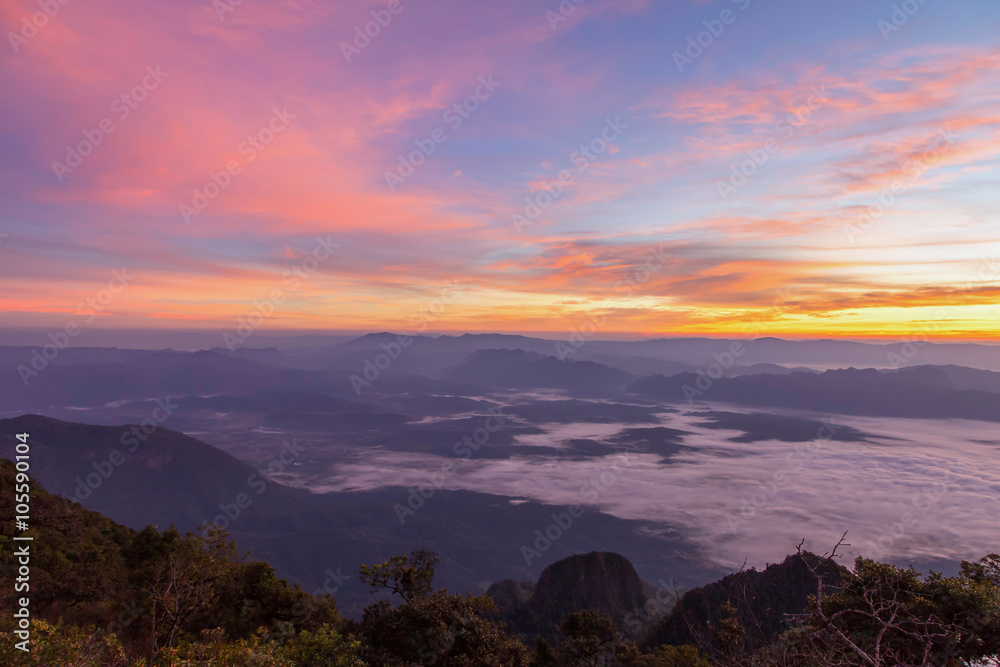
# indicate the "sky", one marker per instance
pixel 648 168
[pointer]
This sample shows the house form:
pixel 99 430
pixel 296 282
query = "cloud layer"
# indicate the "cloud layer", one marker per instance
pixel 799 153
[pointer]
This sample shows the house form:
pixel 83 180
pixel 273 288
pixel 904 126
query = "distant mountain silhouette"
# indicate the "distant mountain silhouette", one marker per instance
pixel 767 368
pixel 827 353
pixel 926 392
pixel 957 377
pixel 520 369
pixel 153 375
pixel 692 353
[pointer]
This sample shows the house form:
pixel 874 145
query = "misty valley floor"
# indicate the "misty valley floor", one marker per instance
pixel 744 485
pixel 482 447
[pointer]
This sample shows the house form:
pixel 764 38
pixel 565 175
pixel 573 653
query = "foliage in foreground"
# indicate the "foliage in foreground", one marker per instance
pixel 879 615
pixel 108 596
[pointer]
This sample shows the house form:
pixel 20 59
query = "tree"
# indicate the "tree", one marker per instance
pixel 730 636
pixel 409 577
pixel 324 647
pixel 179 577
pixel 672 656
pixel 544 654
pixel 185 584
pixel 883 616
pixel 440 629
pixel 592 639
pixel 68 645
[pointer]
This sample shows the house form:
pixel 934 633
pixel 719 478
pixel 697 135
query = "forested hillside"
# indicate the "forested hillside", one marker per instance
pixel 104 594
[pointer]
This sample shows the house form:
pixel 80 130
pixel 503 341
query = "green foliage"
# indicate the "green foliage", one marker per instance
pixel 80 572
pixel 729 634
pixel 431 629
pixel 878 615
pixel 594 640
pixel 409 577
pixel 107 596
pixel 591 638
pixel 323 648
pixel 887 615
pixel 146 590
pixel 65 645
pixel 672 656
pixel 544 655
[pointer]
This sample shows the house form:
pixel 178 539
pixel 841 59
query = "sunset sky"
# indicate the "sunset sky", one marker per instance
pixel 656 232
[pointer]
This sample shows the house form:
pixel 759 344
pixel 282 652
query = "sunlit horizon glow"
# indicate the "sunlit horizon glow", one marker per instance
pixel 642 239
